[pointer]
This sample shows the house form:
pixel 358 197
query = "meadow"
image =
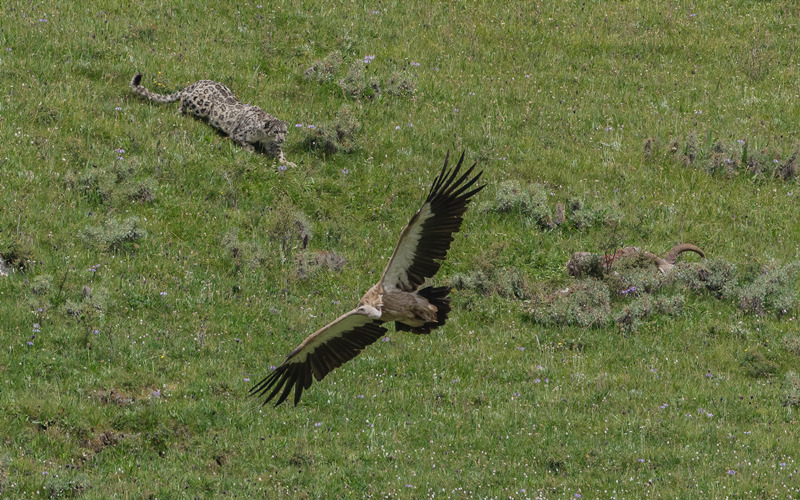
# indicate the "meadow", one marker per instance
pixel 156 270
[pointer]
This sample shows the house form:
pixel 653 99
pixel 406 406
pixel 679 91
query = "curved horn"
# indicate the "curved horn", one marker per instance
pixel 672 255
pixel 662 264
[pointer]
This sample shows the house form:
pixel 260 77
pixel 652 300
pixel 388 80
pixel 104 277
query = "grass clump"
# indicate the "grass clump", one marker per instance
pixel 585 302
pixel 307 264
pixel 117 182
pixel 791 342
pixel 631 316
pixel 18 252
pixel 532 203
pixel 401 83
pixel 324 70
pixel 730 158
pixel 791 389
pixel 717 275
pixel 243 252
pixel 92 305
pixel 505 282
pixel 529 201
pixel 335 137
pixel 757 364
pixel 42 284
pixel 581 216
pixel 114 235
pixel 356 84
pixel 352 80
pixel 772 290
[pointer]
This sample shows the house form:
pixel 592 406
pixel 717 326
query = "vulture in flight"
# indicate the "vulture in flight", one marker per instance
pixel 396 297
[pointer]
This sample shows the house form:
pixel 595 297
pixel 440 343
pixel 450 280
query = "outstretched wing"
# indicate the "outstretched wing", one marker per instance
pixel 319 354
pixel 426 239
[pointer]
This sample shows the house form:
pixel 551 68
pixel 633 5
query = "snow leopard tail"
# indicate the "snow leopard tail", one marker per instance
pixel 136 86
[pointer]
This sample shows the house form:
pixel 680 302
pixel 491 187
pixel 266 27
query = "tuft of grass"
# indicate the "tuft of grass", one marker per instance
pixel 338 136
pixel 791 389
pixel 759 364
pixel 114 235
pixel 586 303
pixel 17 251
pixel 772 290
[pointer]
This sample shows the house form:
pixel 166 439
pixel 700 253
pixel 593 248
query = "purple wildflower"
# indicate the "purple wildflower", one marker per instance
pixel 368 59
pixel 414 63
pixel 30 343
pixel 311 126
pixel 318 424
pixel 247 379
pixel 345 171
pixel 731 472
pixel 537 380
pixel 298 125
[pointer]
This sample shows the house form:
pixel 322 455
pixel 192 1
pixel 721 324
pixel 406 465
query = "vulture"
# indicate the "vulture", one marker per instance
pixel 397 297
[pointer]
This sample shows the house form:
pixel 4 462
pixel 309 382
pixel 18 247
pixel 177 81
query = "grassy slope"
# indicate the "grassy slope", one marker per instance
pixel 563 94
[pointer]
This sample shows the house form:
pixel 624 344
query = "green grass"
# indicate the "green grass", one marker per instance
pixel 145 342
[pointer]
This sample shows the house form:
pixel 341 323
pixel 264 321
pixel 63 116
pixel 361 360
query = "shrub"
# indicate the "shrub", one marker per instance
pixel 41 285
pixel 92 304
pixel 355 83
pixel 308 263
pixel 505 282
pixel 772 290
pixel 757 364
pixel 17 251
pixel 632 315
pixel 324 70
pixel 791 389
pixel 530 201
pixel 247 252
pixel 114 235
pixel 584 303
pixel 791 342
pixel 718 276
pixel 336 137
pixel 401 83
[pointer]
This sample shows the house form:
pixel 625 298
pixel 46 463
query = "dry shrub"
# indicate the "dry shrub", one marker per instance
pixel 772 290
pixel 759 365
pixel 336 137
pixel 505 282
pixel 791 389
pixel 308 263
pixel 585 303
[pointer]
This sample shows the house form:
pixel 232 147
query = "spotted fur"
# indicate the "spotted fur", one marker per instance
pixel 248 126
